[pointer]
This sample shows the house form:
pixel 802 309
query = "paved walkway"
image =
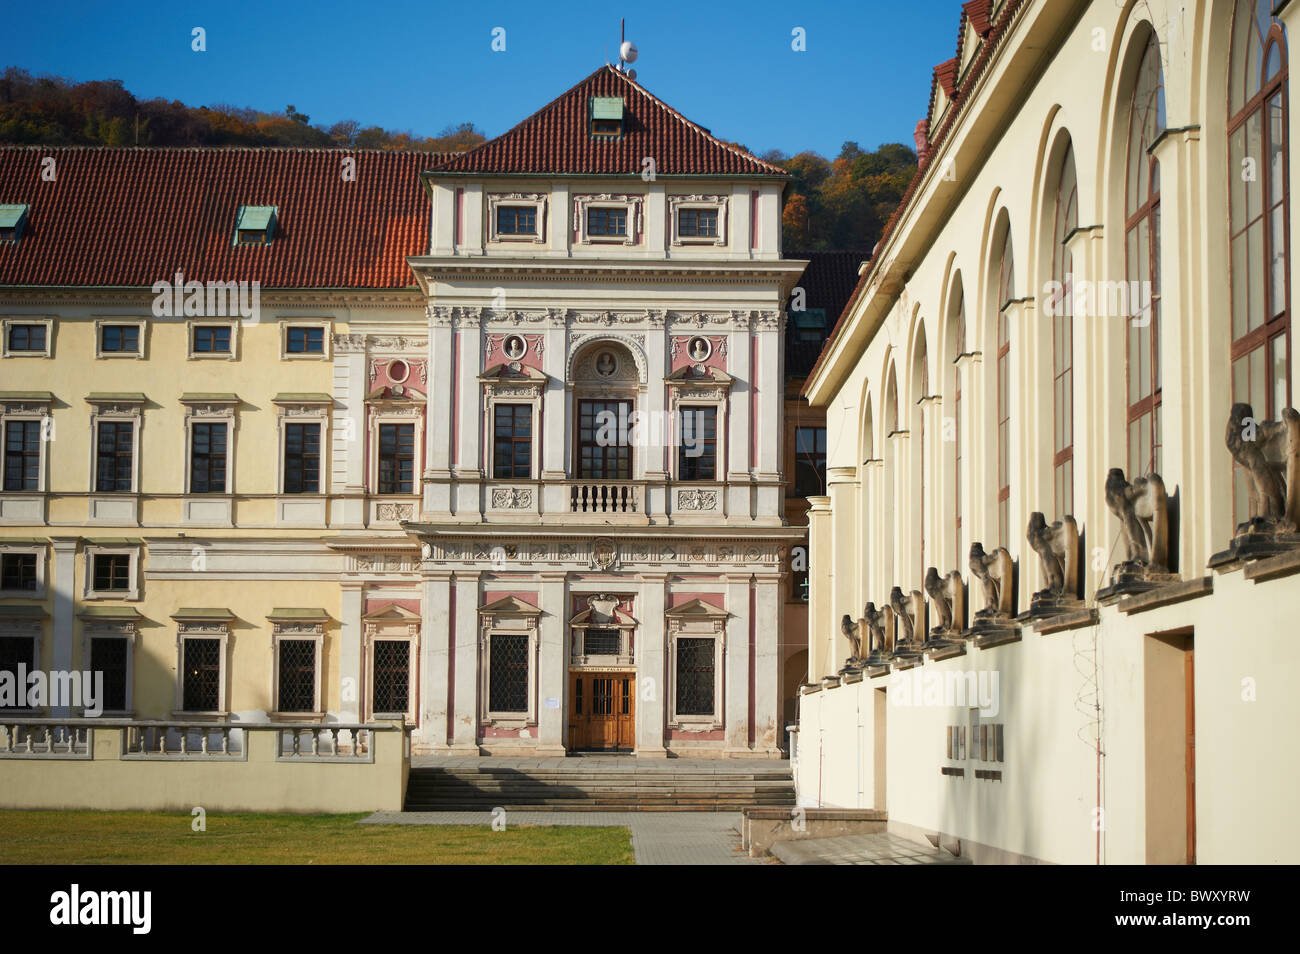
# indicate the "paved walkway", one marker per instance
pixel 658 838
pixel 881 848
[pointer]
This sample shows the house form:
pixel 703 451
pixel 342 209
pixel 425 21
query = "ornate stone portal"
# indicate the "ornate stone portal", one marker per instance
pixel 1269 454
pixel 1142 508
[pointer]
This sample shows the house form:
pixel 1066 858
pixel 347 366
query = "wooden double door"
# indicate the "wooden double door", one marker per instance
pixel 602 711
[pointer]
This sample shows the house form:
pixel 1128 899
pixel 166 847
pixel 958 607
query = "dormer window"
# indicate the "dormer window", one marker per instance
pixel 810 324
pixel 607 117
pixel 12 220
pixel 255 225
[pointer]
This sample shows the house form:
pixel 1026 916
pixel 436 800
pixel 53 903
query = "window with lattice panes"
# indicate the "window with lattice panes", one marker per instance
pixel 297 675
pixel 201 675
pixel 109 656
pixel 391 680
pixel 508 678
pixel 696 680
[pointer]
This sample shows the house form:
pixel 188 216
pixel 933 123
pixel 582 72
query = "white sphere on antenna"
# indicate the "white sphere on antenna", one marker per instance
pixel 627 52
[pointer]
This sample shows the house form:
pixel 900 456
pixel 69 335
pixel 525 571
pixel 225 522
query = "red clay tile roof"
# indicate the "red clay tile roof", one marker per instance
pixel 130 217
pixel 556 140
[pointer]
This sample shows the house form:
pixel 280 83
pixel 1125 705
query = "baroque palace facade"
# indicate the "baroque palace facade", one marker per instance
pixel 1054 578
pixel 490 442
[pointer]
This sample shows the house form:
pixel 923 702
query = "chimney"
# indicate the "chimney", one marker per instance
pixel 922 138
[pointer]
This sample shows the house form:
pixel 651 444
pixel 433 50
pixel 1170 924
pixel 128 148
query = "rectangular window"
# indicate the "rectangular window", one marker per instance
pixel 512 430
pixel 607 222
pixel 119 339
pixel 16 651
pixel 604 445
pixel 212 339
pixel 115 442
pixel 600 642
pixel 391 684
pixel 516 220
pixel 695 676
pixel 108 655
pixel 697 458
pixel 305 340
pixel 111 571
pixel 302 459
pixel 697 223
pixel 208 459
pixel 508 681
pixel 810 461
pixel 201 686
pixel 396 458
pixel 297 689
pixel 18 571
pixel 22 455
pixel 27 338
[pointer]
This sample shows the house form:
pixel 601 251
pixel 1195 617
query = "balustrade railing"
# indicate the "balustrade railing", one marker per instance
pixel 44 740
pixel 325 743
pixel 37 738
pixel 605 497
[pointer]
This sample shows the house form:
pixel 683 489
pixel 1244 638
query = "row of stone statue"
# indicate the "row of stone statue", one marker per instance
pixel 1268 453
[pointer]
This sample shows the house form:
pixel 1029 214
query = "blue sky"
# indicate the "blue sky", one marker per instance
pixel 864 76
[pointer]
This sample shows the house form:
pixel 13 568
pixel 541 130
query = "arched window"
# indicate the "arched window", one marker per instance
pixel 958 349
pixel 1142 256
pixel 1258 229
pixel 1006 293
pixel 1066 220
pixel 891 405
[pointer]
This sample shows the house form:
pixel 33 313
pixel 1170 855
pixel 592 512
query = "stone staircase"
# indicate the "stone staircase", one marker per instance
pixel 577 785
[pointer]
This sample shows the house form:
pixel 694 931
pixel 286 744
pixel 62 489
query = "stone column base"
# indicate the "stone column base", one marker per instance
pixel 650 752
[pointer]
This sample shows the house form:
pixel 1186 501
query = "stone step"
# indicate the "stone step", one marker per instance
pixel 579 788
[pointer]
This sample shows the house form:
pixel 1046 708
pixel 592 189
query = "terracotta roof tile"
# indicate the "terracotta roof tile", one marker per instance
pixel 556 140
pixel 130 217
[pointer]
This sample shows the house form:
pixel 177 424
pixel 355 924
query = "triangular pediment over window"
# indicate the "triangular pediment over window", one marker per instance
pixel 509 606
pixel 389 613
pixel 696 609
pixel 514 374
pixel 700 374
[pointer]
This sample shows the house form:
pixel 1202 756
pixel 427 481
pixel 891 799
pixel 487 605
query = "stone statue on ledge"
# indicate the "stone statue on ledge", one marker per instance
pixel 909 613
pixel 853 631
pixel 948 597
pixel 1142 508
pixel 877 621
pixel 996 573
pixel 1269 453
pixel 1057 546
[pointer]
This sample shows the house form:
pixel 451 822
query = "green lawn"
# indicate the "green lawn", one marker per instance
pixel 128 838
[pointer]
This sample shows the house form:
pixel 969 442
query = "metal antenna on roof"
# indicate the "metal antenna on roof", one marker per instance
pixel 627 52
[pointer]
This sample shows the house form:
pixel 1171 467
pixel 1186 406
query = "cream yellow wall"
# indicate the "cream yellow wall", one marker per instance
pixel 1043 808
pixel 262 783
pixel 1066 69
